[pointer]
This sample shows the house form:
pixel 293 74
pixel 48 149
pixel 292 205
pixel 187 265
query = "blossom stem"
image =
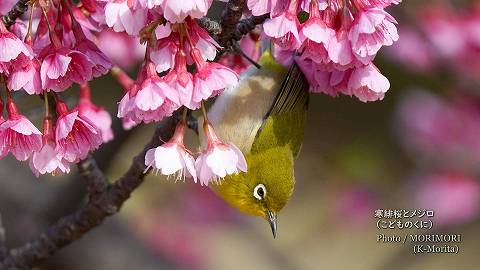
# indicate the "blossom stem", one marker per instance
pixel 185 31
pixel 244 55
pixel 204 112
pixel 77 29
pixel 53 35
pixel 47 109
pixel 184 115
pixel 7 91
pixel 28 37
pixel 85 94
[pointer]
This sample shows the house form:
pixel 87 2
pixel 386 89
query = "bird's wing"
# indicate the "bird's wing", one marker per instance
pixel 284 123
pixel 239 113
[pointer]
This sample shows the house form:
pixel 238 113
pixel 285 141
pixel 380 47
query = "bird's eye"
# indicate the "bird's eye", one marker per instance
pixel 259 192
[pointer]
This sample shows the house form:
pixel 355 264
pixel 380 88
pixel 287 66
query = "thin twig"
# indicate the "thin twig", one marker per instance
pixel 20 7
pixel 244 55
pixel 92 214
pixel 245 26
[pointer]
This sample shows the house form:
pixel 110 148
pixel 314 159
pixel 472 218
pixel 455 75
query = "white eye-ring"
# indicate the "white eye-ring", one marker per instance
pixel 259 192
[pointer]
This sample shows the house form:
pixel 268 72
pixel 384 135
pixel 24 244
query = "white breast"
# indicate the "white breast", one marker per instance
pixel 238 113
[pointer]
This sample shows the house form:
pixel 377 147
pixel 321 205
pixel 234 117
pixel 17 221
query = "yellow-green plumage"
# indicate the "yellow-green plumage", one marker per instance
pixel 264 116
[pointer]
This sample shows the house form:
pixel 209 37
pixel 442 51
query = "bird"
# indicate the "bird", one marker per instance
pixel 264 116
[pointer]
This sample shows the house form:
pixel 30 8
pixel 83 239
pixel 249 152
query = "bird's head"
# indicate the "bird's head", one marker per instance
pixel 265 189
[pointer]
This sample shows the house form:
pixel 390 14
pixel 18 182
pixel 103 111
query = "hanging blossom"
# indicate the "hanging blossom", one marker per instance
pixel 17 134
pixel 335 44
pixel 219 159
pixel 55 50
pixel 75 135
pixel 48 160
pixel 172 157
pixel 61 66
pixel 12 50
pixel 151 97
pixel 94 113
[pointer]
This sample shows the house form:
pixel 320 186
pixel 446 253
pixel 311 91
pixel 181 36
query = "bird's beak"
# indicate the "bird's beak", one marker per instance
pixel 272 219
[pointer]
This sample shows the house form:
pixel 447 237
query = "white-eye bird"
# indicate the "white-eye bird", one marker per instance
pixel 264 115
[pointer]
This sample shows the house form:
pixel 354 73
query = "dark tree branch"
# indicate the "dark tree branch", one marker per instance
pixel 95 181
pixel 211 26
pixel 20 7
pixel 92 214
pixel 245 26
pixel 230 18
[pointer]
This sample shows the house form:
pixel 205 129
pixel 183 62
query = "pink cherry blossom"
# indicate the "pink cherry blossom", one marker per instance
pixel 130 88
pixel 316 36
pixel 90 15
pixel 283 29
pixel 211 78
pixel 340 49
pixel 182 81
pixel 207 46
pixel 219 159
pixel 97 115
pixel 151 100
pixel 176 11
pixel 26 75
pixel 260 7
pixel 48 159
pixel 75 135
pixel 124 15
pixel 368 84
pixel 172 157
pixel 18 135
pixel 373 29
pixel 11 47
pixel 163 54
pixel 101 64
pixel 61 67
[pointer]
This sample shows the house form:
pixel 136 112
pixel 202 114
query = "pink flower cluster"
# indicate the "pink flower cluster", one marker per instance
pixel 334 42
pixel 165 83
pixel 171 48
pixel 49 58
pixel 216 161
